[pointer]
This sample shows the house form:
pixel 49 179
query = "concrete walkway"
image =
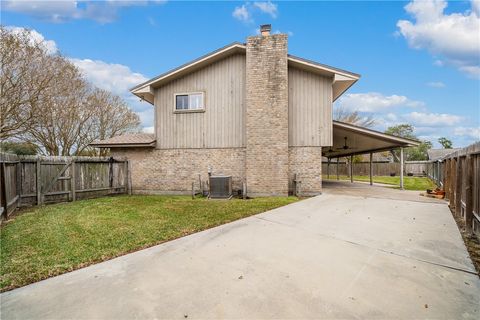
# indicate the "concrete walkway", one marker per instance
pixel 344 254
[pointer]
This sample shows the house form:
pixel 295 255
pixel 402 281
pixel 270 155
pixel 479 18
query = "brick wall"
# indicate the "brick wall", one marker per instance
pixel 306 163
pixel 173 170
pixel 267 115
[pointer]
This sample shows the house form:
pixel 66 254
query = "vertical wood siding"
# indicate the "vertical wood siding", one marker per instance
pixel 222 123
pixel 309 109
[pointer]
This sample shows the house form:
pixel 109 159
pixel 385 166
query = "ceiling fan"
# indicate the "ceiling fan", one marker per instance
pixel 345 146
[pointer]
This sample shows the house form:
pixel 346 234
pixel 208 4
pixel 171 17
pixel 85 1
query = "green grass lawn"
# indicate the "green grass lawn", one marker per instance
pixel 410 183
pixel 54 239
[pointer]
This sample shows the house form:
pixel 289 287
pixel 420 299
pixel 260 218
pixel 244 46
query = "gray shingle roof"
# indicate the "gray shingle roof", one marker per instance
pixel 435 154
pixel 127 140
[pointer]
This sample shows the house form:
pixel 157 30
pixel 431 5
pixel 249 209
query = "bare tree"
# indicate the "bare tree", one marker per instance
pixel 352 117
pixel 46 101
pixel 113 117
pixel 65 115
pixel 26 72
pixel 75 114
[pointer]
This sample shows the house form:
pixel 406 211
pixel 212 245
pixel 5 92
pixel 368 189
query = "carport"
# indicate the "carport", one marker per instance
pixel 350 140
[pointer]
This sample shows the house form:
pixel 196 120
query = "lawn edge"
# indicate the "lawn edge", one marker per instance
pixel 108 258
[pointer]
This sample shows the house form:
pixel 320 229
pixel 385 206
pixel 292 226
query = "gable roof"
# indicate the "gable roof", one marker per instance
pixel 127 140
pixel 437 154
pixel 342 79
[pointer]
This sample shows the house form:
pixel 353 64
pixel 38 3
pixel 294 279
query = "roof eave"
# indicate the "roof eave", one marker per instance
pixel 205 59
pixel 326 68
pixel 124 145
pixel 145 89
pixel 405 141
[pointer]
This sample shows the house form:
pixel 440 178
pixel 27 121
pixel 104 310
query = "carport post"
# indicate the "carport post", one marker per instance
pixel 351 168
pixel 401 168
pixel 328 168
pixel 338 176
pixel 371 169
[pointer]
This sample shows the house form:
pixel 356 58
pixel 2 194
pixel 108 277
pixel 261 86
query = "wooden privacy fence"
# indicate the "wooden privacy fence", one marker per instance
pixel 461 181
pixel 417 168
pixel 35 180
pixel 435 170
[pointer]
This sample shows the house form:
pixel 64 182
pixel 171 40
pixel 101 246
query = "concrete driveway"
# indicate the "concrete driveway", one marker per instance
pixel 348 253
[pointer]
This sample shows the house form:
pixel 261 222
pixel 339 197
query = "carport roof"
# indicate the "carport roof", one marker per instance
pixel 359 140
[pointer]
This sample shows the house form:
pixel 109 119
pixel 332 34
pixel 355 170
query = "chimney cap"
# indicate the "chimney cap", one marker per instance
pixel 265 29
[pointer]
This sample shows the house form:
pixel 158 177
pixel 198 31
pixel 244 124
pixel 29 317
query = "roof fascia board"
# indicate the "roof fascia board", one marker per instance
pixel 231 47
pixel 319 66
pixel 341 155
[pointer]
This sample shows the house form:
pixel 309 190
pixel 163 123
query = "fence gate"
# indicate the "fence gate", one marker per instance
pixel 35 180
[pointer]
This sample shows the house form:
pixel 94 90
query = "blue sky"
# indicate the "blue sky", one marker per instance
pixel 419 61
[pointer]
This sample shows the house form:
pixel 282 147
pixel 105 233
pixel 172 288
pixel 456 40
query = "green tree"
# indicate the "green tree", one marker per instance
pixel 20 148
pixel 446 143
pixel 412 153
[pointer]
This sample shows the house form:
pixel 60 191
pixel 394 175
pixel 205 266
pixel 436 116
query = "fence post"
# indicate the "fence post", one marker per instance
pixel 38 182
pixel 469 193
pixel 328 168
pixel 446 178
pixel 437 173
pixel 18 173
pixel 458 187
pixel 128 177
pixel 401 169
pixel 453 179
pixel 351 169
pixel 371 169
pixel 3 190
pixel 338 174
pixel 452 182
pixel 72 180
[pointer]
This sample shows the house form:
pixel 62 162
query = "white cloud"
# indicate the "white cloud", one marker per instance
pixel 113 77
pixel 436 84
pixel 393 110
pixel 245 12
pixel 452 38
pixel 117 78
pixel 242 13
pixel 289 33
pixel 149 129
pixel 473 71
pixel 471 132
pixel 146 115
pixel 391 116
pixel 65 10
pixel 433 119
pixel 267 7
pixel 36 38
pixel 374 102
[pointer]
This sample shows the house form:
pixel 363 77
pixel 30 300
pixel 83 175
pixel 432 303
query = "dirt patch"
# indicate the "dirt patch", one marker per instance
pixel 471 242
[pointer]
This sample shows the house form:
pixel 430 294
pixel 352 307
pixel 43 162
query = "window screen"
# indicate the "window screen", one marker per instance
pixel 181 102
pixel 191 101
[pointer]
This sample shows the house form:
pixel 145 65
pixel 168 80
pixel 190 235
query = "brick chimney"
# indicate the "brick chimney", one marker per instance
pixel 267 114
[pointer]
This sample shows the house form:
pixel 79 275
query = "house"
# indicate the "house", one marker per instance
pixel 251 111
pixel 439 154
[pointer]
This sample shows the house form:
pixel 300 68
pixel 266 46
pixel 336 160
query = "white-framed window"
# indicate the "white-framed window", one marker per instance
pixel 189 101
